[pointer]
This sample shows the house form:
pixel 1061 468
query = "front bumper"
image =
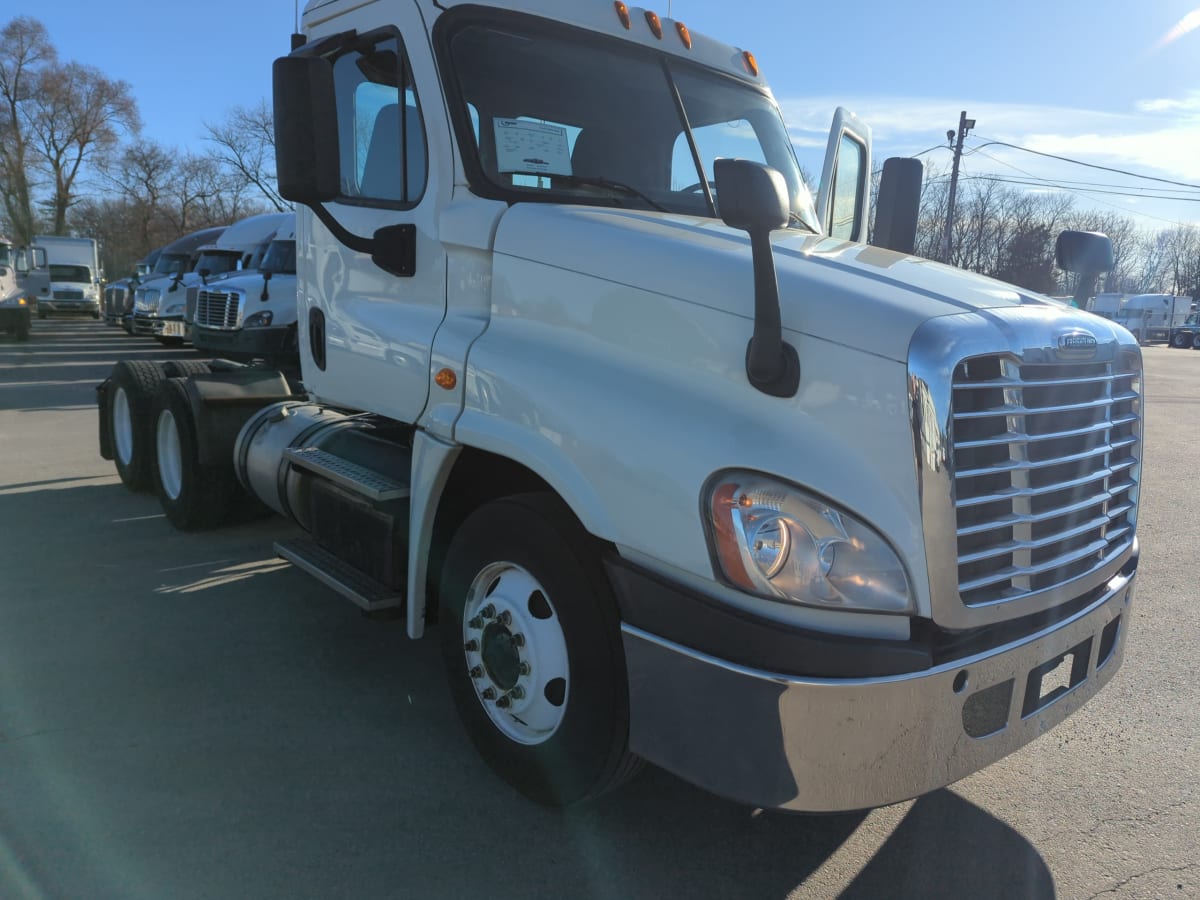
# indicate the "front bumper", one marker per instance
pixel 159 326
pixel 824 744
pixel 69 306
pixel 247 343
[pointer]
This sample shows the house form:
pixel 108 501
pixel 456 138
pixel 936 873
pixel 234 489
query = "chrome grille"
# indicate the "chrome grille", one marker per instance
pixel 68 294
pixel 218 309
pixel 1045 468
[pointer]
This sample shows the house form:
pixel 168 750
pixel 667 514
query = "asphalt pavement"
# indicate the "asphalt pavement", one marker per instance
pixel 185 715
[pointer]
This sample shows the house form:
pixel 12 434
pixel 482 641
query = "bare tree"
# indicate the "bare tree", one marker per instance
pixel 78 114
pixel 25 49
pixel 244 144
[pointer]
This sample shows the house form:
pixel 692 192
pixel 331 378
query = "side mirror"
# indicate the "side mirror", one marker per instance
pixel 1084 251
pixel 1087 253
pixel 307 163
pixel 898 206
pixel 754 198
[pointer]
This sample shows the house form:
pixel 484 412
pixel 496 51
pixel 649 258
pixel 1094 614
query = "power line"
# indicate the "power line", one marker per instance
pixel 1043 183
pixel 1079 162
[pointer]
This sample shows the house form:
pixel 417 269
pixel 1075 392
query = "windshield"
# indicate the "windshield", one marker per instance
pixel 280 258
pixel 218 261
pixel 172 263
pixel 5 258
pixel 570 117
pixel 71 273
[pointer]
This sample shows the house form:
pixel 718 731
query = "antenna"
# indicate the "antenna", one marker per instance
pixel 296 15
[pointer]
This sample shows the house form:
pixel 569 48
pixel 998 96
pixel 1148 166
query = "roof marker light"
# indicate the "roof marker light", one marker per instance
pixel 750 63
pixel 684 34
pixel 622 13
pixel 655 25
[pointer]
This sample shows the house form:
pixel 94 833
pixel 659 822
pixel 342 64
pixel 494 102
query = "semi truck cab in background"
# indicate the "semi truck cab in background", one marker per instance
pixel 587 381
pixel 24 280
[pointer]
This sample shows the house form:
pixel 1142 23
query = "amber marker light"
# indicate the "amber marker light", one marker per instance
pixel 445 378
pixel 622 13
pixel 655 24
pixel 684 34
pixel 750 63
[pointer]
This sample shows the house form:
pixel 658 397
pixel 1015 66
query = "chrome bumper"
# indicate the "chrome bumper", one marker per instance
pixel 823 745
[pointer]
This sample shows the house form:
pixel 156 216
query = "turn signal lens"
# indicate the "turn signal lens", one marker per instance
pixel 684 34
pixel 750 63
pixel 446 379
pixel 655 25
pixel 622 14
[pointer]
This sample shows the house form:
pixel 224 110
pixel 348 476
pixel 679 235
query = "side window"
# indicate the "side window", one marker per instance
pixel 848 185
pixel 381 140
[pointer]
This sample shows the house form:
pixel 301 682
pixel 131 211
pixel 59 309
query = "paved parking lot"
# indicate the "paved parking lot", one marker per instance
pixel 187 716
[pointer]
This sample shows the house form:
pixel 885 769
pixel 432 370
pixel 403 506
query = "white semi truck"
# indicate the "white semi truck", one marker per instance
pixel 24 280
pixel 75 275
pixel 597 398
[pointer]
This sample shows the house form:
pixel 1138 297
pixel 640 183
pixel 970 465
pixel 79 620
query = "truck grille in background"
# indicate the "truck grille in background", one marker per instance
pixel 1045 467
pixel 114 299
pixel 218 309
pixel 68 294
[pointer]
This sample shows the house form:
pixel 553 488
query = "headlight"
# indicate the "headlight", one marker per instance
pixel 175 309
pixel 775 540
pixel 260 319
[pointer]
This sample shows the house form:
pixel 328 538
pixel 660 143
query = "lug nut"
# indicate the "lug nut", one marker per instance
pixel 488 694
pixel 471 646
pixel 525 668
pixel 476 623
pixel 518 640
pixel 505 618
pixel 504 703
pixel 476 671
pixel 517 693
pixel 488 611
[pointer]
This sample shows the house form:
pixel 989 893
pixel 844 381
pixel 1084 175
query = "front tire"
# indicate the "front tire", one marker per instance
pixel 194 497
pixel 1181 341
pixel 23 327
pixel 532 645
pixel 1196 342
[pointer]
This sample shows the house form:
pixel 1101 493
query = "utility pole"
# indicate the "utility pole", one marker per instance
pixel 964 125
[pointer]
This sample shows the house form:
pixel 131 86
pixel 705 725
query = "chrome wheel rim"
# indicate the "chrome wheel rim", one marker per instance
pixel 170 457
pixel 122 426
pixel 516 653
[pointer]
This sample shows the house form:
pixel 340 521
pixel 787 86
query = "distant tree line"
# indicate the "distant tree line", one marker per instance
pixel 72 159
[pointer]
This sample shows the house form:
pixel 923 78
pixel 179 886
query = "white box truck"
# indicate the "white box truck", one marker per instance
pixel 597 397
pixel 74 275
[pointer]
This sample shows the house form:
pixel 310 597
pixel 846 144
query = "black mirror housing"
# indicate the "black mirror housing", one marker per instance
pixel 307 163
pixel 898 205
pixel 1088 252
pixel 752 196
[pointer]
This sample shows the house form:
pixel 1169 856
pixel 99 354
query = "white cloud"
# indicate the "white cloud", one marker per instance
pixel 1159 137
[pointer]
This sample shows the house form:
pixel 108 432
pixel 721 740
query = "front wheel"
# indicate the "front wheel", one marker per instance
pixel 1181 340
pixel 1196 342
pixel 532 645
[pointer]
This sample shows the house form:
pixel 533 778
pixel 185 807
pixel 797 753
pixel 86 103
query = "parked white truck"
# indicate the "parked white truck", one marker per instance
pixel 252 315
pixel 24 279
pixel 1151 317
pixel 599 400
pixel 75 275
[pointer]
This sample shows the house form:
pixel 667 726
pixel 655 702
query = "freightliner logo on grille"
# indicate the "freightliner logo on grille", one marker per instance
pixel 1077 344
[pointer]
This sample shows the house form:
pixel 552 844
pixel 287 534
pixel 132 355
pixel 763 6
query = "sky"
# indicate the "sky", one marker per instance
pixel 1108 82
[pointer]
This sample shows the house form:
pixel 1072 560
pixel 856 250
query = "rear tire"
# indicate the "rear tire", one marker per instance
pixel 194 497
pixel 130 420
pixel 182 368
pixel 537 670
pixel 1181 341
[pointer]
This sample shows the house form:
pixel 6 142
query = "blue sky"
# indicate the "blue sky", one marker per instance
pixel 1096 80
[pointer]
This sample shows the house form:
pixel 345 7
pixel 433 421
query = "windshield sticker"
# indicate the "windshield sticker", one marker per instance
pixel 532 147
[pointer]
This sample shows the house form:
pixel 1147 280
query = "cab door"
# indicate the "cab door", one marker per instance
pixel 844 200
pixel 365 329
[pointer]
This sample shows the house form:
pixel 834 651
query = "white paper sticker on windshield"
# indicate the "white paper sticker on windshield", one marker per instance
pixel 533 147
